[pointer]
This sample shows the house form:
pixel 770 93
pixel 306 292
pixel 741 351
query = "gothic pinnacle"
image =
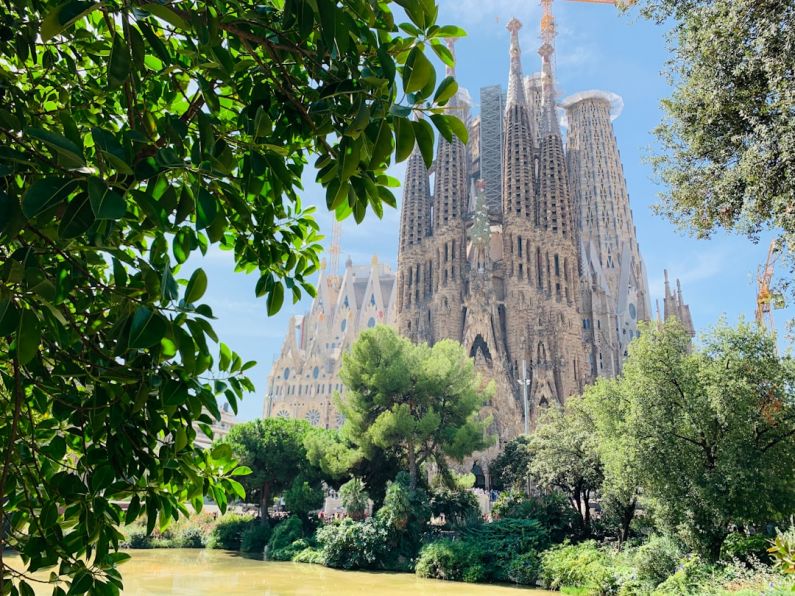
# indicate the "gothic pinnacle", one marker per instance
pixel 515 77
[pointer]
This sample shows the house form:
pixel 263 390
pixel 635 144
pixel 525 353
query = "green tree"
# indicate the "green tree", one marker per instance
pixel 509 469
pixel 354 498
pixel 273 449
pixel 420 401
pixel 712 429
pixel 303 496
pixel 728 137
pixel 606 407
pixel 564 457
pixel 133 135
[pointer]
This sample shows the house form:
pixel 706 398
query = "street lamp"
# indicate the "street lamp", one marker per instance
pixel 525 383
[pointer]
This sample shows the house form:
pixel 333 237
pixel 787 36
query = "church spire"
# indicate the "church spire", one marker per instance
pixel 517 160
pixel 415 212
pixel 515 77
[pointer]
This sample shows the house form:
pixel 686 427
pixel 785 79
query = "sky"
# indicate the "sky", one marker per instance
pixel 596 48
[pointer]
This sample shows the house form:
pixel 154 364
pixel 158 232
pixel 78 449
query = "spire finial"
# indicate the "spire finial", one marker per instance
pixel 450 43
pixel 515 77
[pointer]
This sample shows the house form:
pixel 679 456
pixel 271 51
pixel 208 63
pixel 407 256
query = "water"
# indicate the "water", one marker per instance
pixel 197 572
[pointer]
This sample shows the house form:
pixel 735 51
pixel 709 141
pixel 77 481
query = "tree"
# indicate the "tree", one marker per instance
pixel 273 449
pixel 564 457
pixel 136 134
pixel 420 401
pixel 509 469
pixel 354 498
pixel 712 429
pixel 606 407
pixel 728 138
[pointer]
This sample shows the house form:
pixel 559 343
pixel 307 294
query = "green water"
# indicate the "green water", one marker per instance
pixel 196 572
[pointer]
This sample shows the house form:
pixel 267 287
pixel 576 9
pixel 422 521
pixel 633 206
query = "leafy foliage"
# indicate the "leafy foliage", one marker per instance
pixel 273 449
pixel 349 544
pixel 711 430
pixel 728 138
pixel 228 532
pixel 459 507
pixel 421 402
pixel 303 497
pixel 135 135
pixel 282 543
pixel 551 510
pixel 254 538
pixel 354 498
pixel 454 560
pixel 581 565
pixel 509 470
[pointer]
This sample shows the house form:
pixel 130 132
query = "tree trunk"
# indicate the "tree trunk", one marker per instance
pixel 587 512
pixel 627 515
pixel 412 457
pixel 264 500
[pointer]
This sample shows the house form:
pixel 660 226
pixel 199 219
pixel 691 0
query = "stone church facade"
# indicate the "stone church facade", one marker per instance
pixel 534 265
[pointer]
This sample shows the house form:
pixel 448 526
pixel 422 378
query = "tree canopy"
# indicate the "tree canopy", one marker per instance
pixel 418 401
pixel 710 431
pixel 728 137
pixel 133 135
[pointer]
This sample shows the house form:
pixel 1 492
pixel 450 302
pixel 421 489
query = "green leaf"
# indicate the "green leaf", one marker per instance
pixel 119 64
pixel 64 16
pixel 133 509
pixel 77 217
pixel 168 15
pixel 446 89
pixel 28 336
pixel 450 31
pixel 206 209
pixel 237 488
pixel 197 285
pixel 445 55
pixel 441 125
pixel 111 150
pixel 404 138
pixel 147 328
pixel 458 127
pixel 275 298
pixel 382 148
pixel 225 357
pixel 102 477
pixel 417 71
pixel 69 154
pixel 105 202
pixel 9 317
pixel 424 135
pixel 241 471
pixel 45 194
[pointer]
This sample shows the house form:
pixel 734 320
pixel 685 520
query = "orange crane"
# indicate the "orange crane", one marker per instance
pixel 766 299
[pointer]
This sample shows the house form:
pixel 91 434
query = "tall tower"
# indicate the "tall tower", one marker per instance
pixel 447 256
pixel 414 265
pixel 492 112
pixel 613 271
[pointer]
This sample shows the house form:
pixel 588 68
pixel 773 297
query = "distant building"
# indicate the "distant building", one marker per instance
pixel 220 428
pixel 674 306
pixel 305 376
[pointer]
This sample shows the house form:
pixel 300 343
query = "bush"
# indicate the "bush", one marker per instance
pixel 782 550
pixel 280 544
pixel 503 540
pixel 456 560
pixel 523 569
pixel 137 538
pixel 354 498
pixel 459 507
pixel 745 548
pixel 228 531
pixel 552 511
pixel 405 514
pixel 255 537
pixel 692 577
pixel 657 559
pixel 581 565
pixel 303 497
pixel 310 555
pixel 349 544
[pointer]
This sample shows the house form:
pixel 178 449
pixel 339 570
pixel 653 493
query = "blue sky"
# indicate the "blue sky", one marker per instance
pixel 597 48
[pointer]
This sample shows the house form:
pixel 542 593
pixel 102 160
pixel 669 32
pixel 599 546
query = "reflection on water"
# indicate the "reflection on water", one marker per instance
pixel 197 572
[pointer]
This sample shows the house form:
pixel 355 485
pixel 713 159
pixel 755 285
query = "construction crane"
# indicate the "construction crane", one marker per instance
pixel 334 253
pixel 766 299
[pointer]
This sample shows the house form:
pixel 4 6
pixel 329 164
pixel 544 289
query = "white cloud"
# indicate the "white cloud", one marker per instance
pixel 493 14
pixel 696 268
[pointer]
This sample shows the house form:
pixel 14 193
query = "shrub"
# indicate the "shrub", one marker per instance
pixel 310 555
pixel 303 497
pixel 459 507
pixel 354 498
pixel 137 538
pixel 657 559
pixel 523 569
pixel 280 544
pixel 552 511
pixel 581 565
pixel 228 531
pixel 505 539
pixel 783 550
pixel 255 537
pixel 349 544
pixel 405 513
pixel 692 577
pixel 456 560
pixel 746 548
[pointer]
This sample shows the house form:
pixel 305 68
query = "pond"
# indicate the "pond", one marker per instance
pixel 197 572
